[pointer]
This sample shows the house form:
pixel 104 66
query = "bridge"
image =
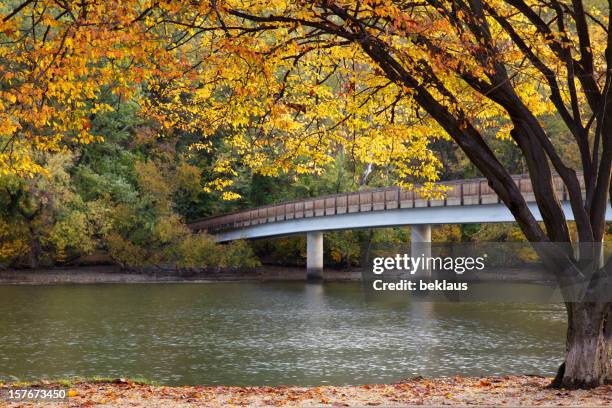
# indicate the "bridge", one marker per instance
pixel 466 202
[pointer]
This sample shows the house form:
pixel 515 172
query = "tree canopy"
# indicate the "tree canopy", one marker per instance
pixel 289 83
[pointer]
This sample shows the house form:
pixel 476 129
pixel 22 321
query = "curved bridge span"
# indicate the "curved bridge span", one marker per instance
pixel 467 201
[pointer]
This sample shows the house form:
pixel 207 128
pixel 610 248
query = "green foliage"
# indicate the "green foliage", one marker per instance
pixel 500 232
pixel 238 255
pixel 124 252
pixel 13 244
pixel 123 196
pixel 343 248
pixel 44 217
pixel 284 251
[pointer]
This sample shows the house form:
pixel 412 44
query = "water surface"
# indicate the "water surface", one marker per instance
pixel 265 334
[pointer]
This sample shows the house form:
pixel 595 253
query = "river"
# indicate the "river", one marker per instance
pixel 265 334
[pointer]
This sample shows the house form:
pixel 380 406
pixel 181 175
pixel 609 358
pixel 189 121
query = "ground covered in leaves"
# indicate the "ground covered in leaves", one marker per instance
pixel 486 391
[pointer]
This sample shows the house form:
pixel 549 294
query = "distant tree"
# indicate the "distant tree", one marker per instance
pixel 46 216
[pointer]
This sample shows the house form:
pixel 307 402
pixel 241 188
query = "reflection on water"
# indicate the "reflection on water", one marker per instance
pixel 256 334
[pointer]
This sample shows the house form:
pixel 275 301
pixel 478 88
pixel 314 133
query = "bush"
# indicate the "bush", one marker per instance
pixel 239 255
pixel 178 249
pixel 125 252
pixel 13 245
pixel 198 251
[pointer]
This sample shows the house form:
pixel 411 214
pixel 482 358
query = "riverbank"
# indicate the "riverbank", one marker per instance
pixel 114 274
pixel 458 391
pixel 92 274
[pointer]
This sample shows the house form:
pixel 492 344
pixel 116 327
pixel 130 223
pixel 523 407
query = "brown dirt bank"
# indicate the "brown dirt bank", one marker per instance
pixel 114 274
pixel 457 391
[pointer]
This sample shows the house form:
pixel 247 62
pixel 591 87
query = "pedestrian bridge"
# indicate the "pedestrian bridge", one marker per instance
pixel 466 201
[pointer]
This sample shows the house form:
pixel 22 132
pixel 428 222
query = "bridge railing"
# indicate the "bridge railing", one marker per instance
pixel 461 192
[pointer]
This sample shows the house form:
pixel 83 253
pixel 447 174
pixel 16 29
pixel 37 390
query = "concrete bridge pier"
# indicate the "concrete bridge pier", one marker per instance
pixel 420 245
pixel 314 256
pixel 600 261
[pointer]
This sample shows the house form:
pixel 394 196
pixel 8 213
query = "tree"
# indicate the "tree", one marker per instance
pixel 463 64
pixel 45 217
pixel 292 83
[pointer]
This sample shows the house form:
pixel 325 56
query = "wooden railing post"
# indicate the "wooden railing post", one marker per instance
pixel 399 205
pixel 372 201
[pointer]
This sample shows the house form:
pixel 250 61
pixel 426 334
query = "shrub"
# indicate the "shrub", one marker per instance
pixel 239 255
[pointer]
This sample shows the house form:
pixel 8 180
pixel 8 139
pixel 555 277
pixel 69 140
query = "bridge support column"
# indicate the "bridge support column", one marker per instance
pixel 600 262
pixel 420 245
pixel 314 256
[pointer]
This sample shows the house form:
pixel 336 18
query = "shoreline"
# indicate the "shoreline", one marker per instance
pixel 519 390
pixel 98 274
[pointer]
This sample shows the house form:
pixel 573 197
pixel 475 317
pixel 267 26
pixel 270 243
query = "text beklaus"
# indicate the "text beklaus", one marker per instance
pixel 421 285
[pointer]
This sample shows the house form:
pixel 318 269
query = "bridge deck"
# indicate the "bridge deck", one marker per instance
pixel 474 192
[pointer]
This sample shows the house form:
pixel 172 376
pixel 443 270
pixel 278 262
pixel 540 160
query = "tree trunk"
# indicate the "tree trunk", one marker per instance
pixel 608 330
pixel 588 361
pixel 34 254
